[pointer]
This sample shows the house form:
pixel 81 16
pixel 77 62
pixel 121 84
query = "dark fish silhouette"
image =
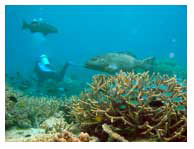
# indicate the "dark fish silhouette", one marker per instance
pixel 156 103
pixel 14 99
pixel 39 26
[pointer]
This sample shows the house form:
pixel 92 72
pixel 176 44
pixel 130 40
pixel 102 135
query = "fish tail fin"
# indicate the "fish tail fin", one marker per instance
pixel 148 62
pixel 25 25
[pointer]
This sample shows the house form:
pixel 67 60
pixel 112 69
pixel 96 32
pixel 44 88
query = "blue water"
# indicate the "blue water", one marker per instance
pixel 86 31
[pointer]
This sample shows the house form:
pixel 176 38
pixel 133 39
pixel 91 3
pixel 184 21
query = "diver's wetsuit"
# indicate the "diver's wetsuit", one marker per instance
pixel 45 72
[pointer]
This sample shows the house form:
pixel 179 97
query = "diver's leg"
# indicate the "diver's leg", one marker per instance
pixel 62 72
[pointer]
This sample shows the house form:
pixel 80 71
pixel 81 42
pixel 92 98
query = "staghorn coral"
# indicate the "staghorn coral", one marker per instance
pixel 133 106
pixel 27 111
pixel 170 67
pixel 112 134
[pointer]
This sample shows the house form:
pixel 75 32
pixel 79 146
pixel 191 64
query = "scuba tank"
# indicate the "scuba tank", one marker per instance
pixel 44 59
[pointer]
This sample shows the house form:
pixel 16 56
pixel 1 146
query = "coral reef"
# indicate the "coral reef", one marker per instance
pixel 128 106
pixel 68 137
pixel 57 123
pixel 18 135
pixel 122 107
pixel 112 134
pixel 63 136
pixel 53 124
pixel 51 130
pixel 27 111
pixel 170 67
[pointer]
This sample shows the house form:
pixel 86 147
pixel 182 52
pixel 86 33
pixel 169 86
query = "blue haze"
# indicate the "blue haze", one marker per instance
pixel 86 31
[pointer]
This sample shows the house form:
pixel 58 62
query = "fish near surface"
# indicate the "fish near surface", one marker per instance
pixel 114 62
pixel 39 26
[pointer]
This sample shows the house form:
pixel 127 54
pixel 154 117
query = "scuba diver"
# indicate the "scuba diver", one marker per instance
pixel 44 71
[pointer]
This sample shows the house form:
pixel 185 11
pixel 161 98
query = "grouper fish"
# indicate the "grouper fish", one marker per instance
pixel 116 61
pixel 39 26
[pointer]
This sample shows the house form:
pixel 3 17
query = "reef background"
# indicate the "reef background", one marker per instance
pixel 86 31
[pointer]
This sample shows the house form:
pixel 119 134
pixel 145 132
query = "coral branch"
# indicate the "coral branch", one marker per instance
pixel 113 134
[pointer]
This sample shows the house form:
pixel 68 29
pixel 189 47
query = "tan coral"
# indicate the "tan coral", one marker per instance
pixel 84 137
pixel 143 104
pixel 66 136
pixel 113 134
pixel 28 111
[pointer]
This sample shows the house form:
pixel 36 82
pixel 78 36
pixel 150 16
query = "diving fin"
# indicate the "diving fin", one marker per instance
pixel 25 25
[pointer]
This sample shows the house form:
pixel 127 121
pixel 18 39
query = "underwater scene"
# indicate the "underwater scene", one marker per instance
pixel 96 73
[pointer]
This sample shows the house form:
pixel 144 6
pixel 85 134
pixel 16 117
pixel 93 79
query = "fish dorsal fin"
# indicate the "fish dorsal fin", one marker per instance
pixel 128 53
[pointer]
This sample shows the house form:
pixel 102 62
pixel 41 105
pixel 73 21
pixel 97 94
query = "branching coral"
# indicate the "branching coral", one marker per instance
pixel 112 134
pixel 28 111
pixel 170 67
pixel 57 123
pixel 133 106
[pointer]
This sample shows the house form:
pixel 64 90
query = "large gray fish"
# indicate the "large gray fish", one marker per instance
pixel 39 26
pixel 114 62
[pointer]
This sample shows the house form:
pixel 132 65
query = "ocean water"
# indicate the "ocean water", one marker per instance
pixel 85 32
